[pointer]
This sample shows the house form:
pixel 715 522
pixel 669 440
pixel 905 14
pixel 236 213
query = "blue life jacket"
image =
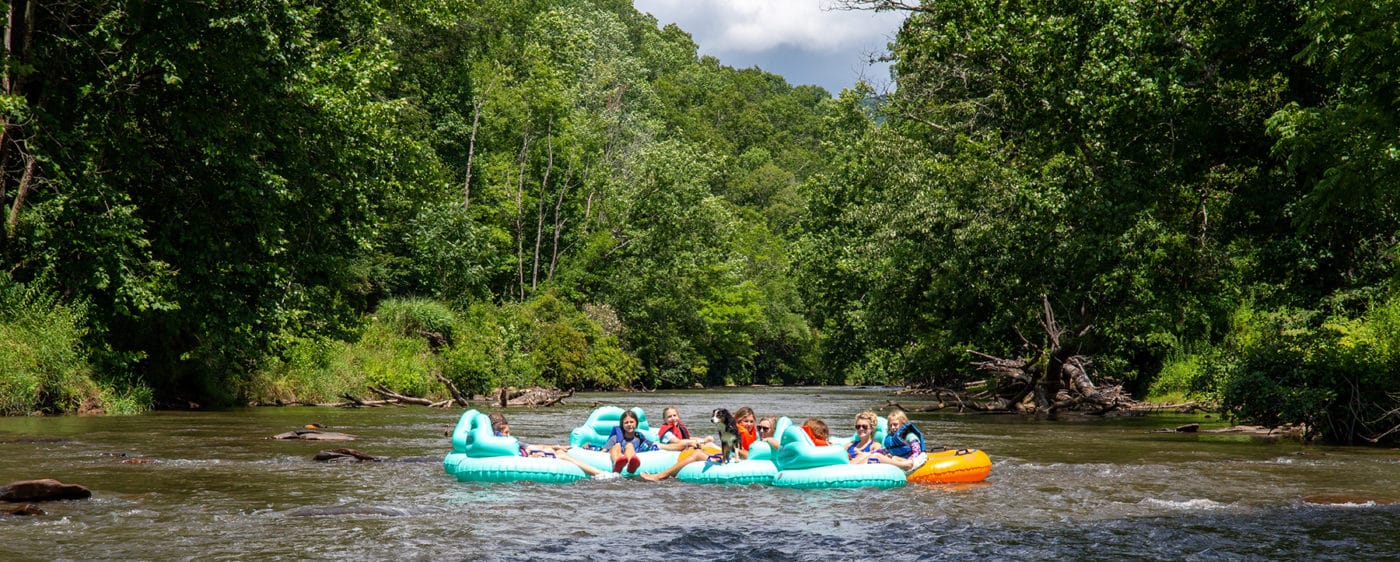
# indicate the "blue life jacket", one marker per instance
pixel 896 443
pixel 640 443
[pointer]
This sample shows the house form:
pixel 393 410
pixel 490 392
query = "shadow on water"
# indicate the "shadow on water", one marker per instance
pixel 216 487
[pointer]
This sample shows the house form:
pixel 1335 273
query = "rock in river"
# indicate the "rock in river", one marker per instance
pixel 42 490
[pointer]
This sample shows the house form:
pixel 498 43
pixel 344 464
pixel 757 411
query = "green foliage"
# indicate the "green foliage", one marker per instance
pixel 298 199
pixel 324 370
pixel 1336 374
pixel 1122 158
pixel 543 341
pixel 44 364
pixel 1184 376
pixel 416 318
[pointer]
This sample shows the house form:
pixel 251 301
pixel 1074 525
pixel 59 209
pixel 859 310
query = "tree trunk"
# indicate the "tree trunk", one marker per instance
pixel 25 183
pixel 520 218
pixel 539 214
pixel 477 103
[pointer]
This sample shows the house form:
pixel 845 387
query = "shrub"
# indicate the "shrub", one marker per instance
pixel 1336 374
pixel 422 318
pixel 44 366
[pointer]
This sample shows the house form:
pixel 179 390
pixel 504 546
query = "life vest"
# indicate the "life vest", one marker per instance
pixel 897 443
pixel 746 438
pixel 815 441
pixel 679 429
pixel 639 440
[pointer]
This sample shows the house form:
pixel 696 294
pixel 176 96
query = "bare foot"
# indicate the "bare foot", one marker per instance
pixel 649 477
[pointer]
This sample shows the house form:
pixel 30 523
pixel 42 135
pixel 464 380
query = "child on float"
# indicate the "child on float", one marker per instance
pixel 904 443
pixel 864 449
pixel 501 428
pixel 625 442
pixel 818 431
pixel 744 420
pixel 698 455
pixel 673 435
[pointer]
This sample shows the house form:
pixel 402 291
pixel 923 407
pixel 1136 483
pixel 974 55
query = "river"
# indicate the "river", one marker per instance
pixel 216 487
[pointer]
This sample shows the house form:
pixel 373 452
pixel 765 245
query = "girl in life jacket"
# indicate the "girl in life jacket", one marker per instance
pixel 904 443
pixel 675 436
pixel 864 449
pixel 625 442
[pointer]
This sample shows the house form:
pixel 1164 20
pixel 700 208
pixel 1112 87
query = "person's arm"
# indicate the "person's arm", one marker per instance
pixel 892 460
pixel 672 442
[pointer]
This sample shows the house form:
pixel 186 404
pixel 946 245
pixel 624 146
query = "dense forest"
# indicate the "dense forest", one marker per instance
pixel 212 202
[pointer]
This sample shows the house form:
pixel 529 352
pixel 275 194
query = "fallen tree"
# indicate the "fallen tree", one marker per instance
pixel 1049 379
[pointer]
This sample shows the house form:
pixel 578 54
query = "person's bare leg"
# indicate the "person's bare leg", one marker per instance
pixel 587 468
pixel 694 456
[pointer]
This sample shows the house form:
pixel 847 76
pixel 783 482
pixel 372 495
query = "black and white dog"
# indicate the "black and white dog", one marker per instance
pixel 728 433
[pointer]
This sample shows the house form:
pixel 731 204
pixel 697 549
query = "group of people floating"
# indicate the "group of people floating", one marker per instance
pixel 902 447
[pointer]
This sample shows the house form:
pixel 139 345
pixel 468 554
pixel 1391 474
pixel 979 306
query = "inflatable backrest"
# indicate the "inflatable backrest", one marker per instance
pixel 482 442
pixel 459 433
pixel 798 452
pixel 600 423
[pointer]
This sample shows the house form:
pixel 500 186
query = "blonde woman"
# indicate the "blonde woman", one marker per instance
pixel 864 449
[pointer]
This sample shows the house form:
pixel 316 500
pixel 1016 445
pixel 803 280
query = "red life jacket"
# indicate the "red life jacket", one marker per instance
pixel 679 429
pixel 815 441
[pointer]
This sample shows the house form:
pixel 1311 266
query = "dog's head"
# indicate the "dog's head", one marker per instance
pixel 722 417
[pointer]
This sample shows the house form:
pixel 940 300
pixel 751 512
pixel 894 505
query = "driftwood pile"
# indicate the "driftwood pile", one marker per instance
pixel 1049 379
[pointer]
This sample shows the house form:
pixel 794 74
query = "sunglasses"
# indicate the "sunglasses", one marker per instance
pixel 764 428
pixel 862 426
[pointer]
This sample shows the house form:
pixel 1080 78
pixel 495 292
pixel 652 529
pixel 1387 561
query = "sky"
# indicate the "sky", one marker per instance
pixel 805 41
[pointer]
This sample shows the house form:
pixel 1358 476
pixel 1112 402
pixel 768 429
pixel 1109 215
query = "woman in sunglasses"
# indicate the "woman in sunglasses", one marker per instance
pixel 765 430
pixel 865 449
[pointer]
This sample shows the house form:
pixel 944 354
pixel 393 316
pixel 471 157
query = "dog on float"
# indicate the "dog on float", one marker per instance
pixel 728 433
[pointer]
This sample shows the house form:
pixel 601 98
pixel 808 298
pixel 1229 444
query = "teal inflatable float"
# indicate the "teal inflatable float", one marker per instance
pixel 479 455
pixel 587 440
pixel 805 465
pixel 758 468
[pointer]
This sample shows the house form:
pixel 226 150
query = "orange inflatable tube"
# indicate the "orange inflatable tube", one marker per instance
pixel 953 466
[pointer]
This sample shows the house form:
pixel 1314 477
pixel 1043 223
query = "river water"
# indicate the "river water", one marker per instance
pixel 216 487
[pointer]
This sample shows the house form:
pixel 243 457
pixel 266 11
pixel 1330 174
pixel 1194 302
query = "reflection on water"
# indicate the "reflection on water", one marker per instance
pixel 217 488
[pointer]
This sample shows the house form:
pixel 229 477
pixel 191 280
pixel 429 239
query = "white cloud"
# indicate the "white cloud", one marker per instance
pixel 748 26
pixel 805 40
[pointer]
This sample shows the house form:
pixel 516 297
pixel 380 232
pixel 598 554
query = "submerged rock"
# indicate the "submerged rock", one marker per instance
pixel 314 435
pixel 26 509
pixel 42 490
pixel 344 455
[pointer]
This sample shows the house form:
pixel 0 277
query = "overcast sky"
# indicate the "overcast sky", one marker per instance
pixel 803 40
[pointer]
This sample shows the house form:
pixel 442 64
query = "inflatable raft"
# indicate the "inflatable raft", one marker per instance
pixel 587 440
pixel 479 455
pixel 805 465
pixel 758 468
pixel 953 466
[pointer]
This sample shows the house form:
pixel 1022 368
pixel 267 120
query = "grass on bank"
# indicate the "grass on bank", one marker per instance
pixel 44 365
